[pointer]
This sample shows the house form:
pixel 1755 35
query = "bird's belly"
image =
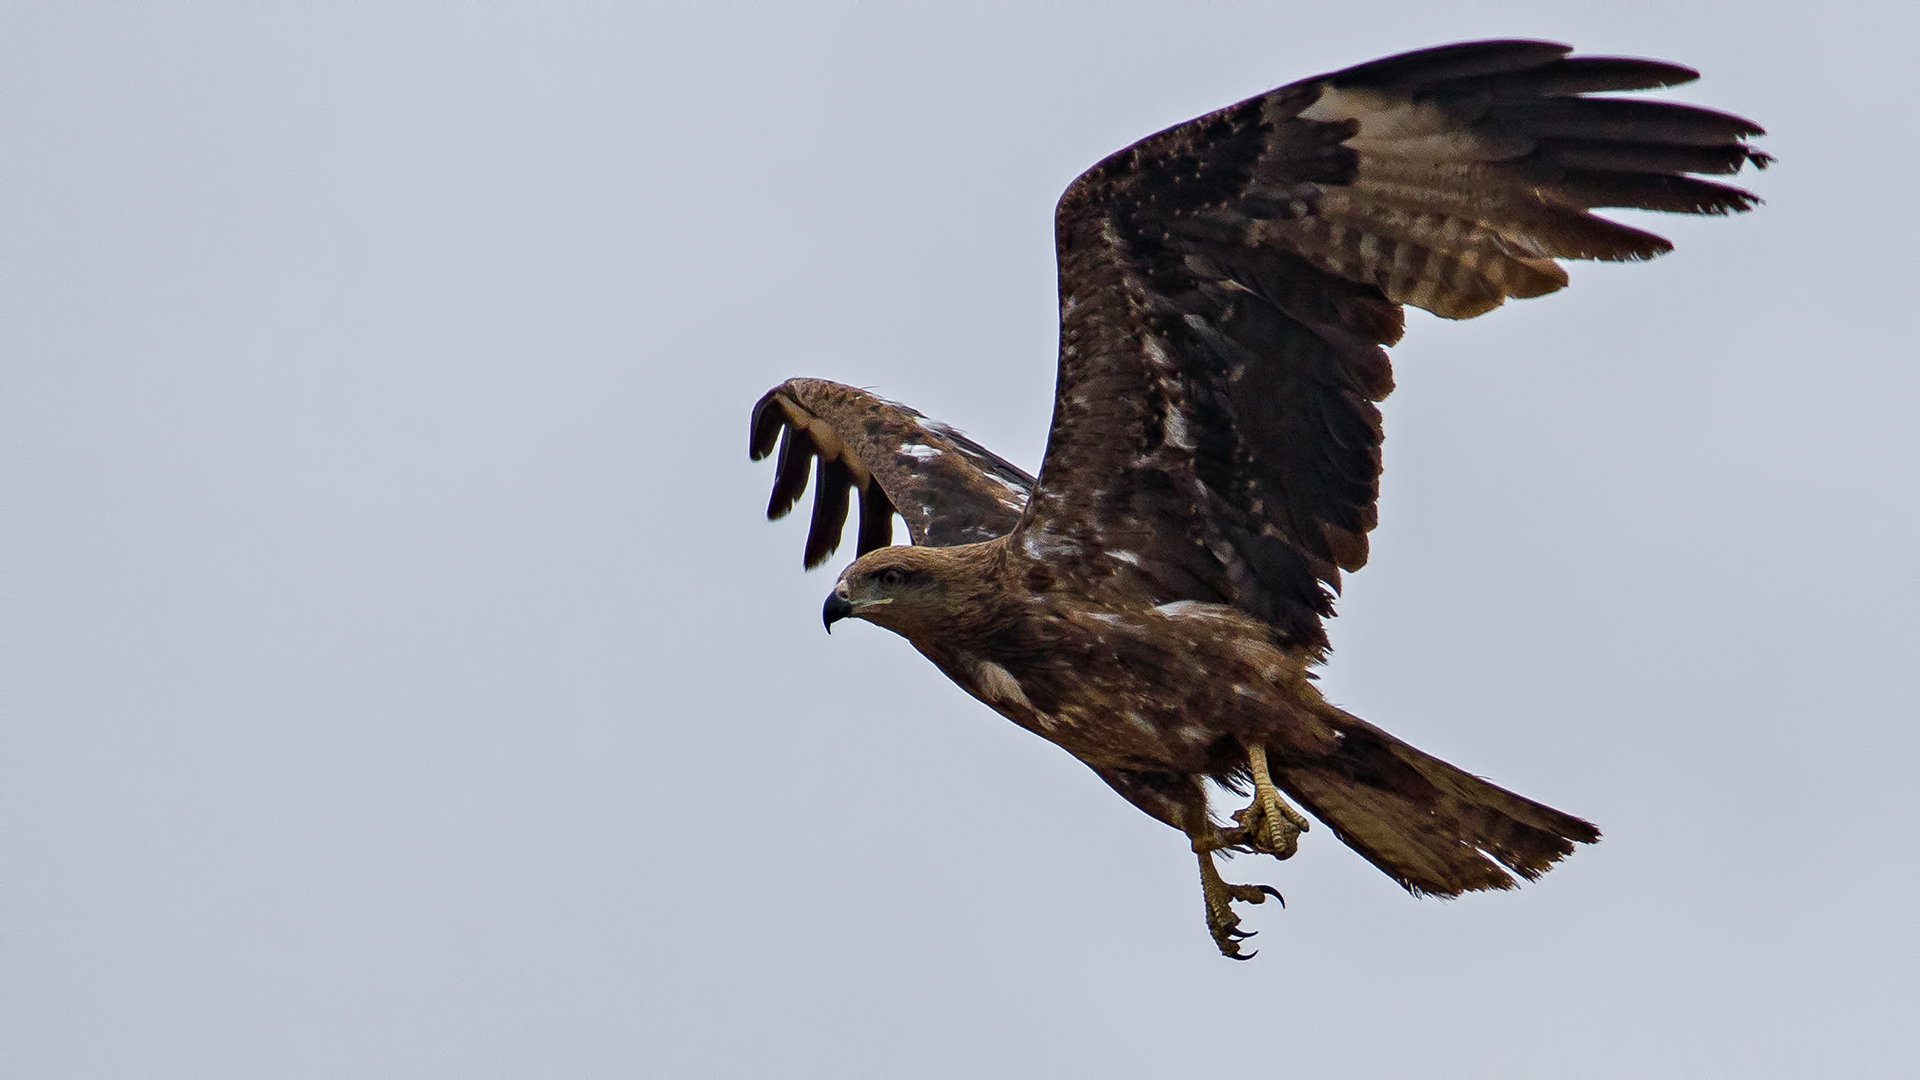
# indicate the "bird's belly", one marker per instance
pixel 1179 687
pixel 1163 709
pixel 1142 738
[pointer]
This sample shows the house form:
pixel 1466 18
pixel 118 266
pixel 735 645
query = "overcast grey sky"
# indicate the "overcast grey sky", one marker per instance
pixel 400 679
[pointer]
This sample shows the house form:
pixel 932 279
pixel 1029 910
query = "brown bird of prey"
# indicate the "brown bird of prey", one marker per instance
pixel 1152 603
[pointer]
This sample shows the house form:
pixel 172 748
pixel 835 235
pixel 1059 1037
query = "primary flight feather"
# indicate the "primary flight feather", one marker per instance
pixel 1153 603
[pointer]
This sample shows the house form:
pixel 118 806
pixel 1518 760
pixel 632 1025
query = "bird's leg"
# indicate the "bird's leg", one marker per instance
pixel 1180 800
pixel 1271 826
pixel 1222 923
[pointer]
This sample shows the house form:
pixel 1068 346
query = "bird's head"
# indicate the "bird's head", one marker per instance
pixel 904 589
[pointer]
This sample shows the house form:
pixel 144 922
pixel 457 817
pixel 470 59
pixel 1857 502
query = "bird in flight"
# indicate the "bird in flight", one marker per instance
pixel 1153 602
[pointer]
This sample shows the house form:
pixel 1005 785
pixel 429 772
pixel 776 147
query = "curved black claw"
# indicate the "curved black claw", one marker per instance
pixel 1237 956
pixel 1222 922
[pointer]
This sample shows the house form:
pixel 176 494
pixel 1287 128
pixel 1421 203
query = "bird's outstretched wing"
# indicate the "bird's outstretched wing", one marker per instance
pixel 948 488
pixel 1226 287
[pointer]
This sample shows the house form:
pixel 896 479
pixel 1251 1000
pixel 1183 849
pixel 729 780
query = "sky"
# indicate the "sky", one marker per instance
pixel 398 676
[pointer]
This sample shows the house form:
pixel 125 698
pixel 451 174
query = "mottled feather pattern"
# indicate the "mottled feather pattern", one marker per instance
pixel 1227 286
pixel 948 488
pixel 1154 604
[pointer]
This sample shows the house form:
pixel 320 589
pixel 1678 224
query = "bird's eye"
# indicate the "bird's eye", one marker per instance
pixel 892 577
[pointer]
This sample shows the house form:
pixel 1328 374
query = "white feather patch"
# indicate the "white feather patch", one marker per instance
pixel 1016 496
pixel 1395 127
pixel 1176 428
pixel 1044 546
pixel 998 684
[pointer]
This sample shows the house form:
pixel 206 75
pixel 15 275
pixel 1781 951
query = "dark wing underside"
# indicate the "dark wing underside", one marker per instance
pixel 1226 287
pixel 949 489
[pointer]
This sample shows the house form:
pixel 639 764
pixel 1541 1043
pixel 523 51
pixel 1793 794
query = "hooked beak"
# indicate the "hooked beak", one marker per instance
pixel 838 607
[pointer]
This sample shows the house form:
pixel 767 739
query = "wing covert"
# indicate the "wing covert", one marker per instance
pixel 1227 287
pixel 949 489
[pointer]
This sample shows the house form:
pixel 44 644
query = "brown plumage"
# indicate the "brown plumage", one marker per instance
pixel 1154 601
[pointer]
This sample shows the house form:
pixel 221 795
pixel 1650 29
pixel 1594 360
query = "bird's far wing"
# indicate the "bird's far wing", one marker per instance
pixel 1226 287
pixel 948 488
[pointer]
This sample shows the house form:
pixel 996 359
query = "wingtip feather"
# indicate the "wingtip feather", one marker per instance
pixel 763 427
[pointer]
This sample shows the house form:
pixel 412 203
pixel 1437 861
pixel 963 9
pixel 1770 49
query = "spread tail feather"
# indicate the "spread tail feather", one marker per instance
pixel 1430 826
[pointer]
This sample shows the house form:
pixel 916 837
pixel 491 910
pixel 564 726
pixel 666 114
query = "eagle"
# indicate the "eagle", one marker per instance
pixel 1154 602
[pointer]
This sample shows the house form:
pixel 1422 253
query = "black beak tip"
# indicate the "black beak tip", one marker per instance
pixel 837 608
